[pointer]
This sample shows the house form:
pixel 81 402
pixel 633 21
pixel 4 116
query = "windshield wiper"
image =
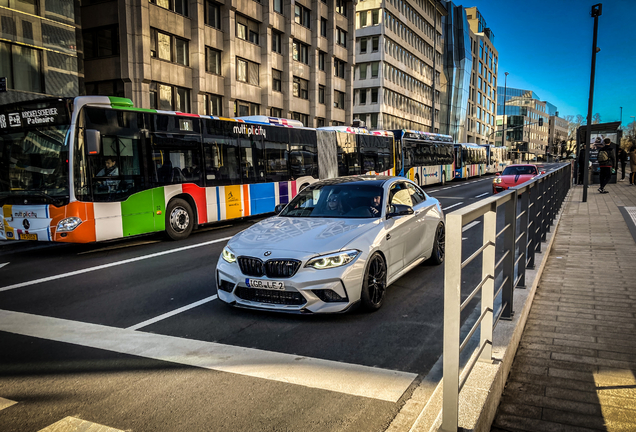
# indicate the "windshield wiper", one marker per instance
pixel 49 199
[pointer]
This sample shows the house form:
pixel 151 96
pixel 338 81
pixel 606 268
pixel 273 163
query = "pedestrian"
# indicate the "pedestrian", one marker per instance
pixel 606 163
pixel 632 165
pixel 622 157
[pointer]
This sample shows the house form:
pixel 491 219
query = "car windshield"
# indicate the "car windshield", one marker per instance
pixel 520 170
pixel 352 200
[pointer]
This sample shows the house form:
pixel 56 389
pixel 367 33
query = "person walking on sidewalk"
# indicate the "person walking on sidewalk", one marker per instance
pixel 622 157
pixel 606 163
pixel 632 165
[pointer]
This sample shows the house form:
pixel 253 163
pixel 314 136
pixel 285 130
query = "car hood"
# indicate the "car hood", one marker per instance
pixel 308 235
pixel 511 180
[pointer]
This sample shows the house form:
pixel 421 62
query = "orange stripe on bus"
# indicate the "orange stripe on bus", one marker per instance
pixel 85 233
pixel 246 200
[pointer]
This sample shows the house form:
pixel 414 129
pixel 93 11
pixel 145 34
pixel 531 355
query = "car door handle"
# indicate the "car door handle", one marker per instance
pixel 388 236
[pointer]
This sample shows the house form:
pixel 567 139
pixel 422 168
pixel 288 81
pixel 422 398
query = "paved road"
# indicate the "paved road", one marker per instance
pixel 129 335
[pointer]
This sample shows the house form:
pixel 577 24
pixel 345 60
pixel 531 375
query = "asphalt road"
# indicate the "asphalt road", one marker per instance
pixel 129 334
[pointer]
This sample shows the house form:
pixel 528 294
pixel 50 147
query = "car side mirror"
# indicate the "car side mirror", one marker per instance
pixel 279 208
pixel 497 173
pixel 93 141
pixel 542 172
pixel 399 210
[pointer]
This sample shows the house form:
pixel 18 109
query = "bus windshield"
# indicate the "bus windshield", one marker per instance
pixel 34 166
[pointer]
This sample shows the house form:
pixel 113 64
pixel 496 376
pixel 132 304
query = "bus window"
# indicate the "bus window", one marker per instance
pixel 276 149
pixel 221 161
pixel 303 156
pixel 348 157
pixel 252 164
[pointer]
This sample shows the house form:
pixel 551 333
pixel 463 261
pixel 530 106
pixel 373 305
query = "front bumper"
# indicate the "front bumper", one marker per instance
pixel 300 293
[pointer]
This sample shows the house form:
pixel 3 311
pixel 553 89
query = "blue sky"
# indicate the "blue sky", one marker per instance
pixel 546 46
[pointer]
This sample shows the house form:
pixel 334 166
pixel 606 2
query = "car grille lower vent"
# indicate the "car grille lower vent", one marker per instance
pixel 270 296
pixel 273 268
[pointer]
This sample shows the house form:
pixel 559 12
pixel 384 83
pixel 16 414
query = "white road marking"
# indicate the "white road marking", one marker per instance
pixel 446 188
pixel 104 266
pixel 173 313
pixel 454 205
pixel 470 225
pixel 356 380
pixel 436 190
pixel 3 264
pixel 6 403
pixel 482 195
pixel 73 424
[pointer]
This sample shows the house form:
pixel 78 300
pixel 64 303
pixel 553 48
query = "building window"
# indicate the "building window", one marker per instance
pixel 213 105
pixel 247 29
pixel 374 96
pixel 302 15
pixel 300 88
pixel 106 88
pixel 22 67
pixel 321 94
pixel 363 45
pixel 321 60
pixel 276 112
pixel 212 14
pixel 339 100
pixel 278 6
pixel 212 61
pixel 300 52
pixel 169 98
pixel 100 42
pixel 277 42
pixel 341 37
pixel 303 118
pixel 375 17
pixel 320 122
pixel 362 18
pixel 178 6
pixel 246 71
pixel 341 7
pixel 339 68
pixel 323 27
pixel 375 69
pixel 167 47
pixel 242 109
pixel 276 80
pixel 363 97
pixel 363 71
pixel 375 43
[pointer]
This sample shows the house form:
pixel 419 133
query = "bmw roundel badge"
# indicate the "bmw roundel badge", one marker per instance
pixel 268 253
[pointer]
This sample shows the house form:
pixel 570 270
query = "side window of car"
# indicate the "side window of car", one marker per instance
pixel 417 195
pixel 400 195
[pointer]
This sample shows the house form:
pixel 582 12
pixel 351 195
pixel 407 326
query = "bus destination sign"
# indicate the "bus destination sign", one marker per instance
pixel 32 115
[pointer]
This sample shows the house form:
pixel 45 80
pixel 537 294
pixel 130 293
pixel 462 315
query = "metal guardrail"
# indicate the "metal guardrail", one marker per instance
pixel 540 200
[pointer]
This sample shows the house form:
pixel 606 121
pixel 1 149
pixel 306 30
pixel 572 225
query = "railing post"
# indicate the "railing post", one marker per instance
pixel 540 215
pixel 510 218
pixel 533 193
pixel 524 243
pixel 488 290
pixel 452 304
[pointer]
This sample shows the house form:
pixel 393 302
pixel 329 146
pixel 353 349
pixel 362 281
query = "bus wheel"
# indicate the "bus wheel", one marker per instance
pixel 417 180
pixel 179 219
pixel 443 178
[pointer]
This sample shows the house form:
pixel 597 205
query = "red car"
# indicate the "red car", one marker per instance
pixel 514 175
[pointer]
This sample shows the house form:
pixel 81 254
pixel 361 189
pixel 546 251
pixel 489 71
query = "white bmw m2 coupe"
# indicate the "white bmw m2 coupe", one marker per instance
pixel 338 243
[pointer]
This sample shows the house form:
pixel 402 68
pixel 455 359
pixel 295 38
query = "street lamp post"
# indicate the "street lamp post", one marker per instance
pixel 596 12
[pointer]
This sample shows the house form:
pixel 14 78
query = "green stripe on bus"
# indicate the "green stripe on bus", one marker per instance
pixel 137 213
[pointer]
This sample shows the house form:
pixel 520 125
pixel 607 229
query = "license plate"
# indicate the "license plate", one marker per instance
pixel 28 236
pixel 264 284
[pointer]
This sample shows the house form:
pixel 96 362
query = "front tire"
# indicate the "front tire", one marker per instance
pixel 443 178
pixel 374 284
pixel 179 219
pixel 439 245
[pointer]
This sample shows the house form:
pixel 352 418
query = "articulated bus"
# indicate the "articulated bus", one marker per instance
pixel 95 168
pixel 426 158
pixel 470 160
pixel 496 158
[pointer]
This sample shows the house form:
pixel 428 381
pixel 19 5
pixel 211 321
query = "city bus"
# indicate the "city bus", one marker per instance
pixel 426 158
pixel 359 151
pixel 95 168
pixel 470 160
pixel 496 158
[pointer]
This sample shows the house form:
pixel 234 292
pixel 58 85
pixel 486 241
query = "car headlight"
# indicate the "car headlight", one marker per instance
pixel 228 255
pixel 497 180
pixel 333 260
pixel 68 224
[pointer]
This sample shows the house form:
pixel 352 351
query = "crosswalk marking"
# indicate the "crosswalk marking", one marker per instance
pixel 356 380
pixel 73 424
pixel 6 403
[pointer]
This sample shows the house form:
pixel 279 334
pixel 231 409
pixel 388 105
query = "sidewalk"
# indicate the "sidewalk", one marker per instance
pixel 575 368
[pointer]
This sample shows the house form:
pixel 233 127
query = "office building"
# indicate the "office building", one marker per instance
pixel 277 58
pixel 398 55
pixel 39 49
pixel 558 129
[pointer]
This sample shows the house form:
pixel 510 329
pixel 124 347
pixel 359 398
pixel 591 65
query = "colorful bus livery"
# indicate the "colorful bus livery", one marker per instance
pixel 426 158
pixel 470 160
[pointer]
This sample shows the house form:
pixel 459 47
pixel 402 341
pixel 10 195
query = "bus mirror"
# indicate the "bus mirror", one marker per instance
pixel 279 208
pixel 93 141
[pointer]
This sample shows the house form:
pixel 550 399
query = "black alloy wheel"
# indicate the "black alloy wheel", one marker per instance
pixel 374 284
pixel 439 245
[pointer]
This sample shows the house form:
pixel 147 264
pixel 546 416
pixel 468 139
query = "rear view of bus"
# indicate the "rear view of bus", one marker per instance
pixel 34 174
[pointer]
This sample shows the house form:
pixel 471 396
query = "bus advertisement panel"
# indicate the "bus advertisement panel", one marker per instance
pixel 426 158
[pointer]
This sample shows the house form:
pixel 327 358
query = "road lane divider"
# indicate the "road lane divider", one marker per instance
pixel 173 313
pixel 482 195
pixel 105 266
pixel 346 378
pixel 451 206
pixel 470 225
pixel 6 403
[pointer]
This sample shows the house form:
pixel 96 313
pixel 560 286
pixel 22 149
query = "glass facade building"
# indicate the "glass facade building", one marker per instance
pixel 39 49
